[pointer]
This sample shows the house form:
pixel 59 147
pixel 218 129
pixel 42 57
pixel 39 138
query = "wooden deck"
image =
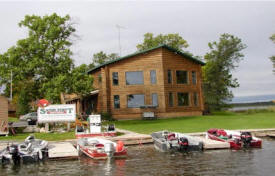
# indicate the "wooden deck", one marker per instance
pixel 62 150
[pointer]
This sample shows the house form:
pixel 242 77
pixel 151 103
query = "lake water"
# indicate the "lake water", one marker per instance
pixel 145 160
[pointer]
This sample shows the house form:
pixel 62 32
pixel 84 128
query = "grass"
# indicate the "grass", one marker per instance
pixel 45 136
pixel 13 119
pixel 252 119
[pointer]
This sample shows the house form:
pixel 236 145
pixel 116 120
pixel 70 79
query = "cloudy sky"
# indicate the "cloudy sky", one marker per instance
pixel 197 22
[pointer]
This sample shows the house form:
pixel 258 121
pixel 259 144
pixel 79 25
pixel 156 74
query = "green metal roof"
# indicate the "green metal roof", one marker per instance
pixel 187 56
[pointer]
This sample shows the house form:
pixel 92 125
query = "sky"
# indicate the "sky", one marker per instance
pixel 198 22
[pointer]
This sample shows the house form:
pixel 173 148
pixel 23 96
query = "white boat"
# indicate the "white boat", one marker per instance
pixel 165 141
pixel 31 150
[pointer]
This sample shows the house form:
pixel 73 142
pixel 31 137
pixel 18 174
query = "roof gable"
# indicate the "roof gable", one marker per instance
pixel 187 56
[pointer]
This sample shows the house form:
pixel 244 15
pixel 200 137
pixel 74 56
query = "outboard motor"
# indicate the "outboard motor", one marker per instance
pixel 183 143
pixel 111 127
pixel 246 138
pixel 13 150
pixel 79 129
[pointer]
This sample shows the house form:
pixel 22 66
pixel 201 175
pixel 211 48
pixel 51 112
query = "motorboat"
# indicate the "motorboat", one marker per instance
pixel 99 148
pixel 236 139
pixel 31 150
pixel 165 141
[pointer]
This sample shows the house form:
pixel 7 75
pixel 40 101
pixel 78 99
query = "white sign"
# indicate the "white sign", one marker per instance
pixel 95 123
pixel 56 113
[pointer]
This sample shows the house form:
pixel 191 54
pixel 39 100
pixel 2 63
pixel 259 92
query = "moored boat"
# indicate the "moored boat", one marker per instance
pixel 236 139
pixel 165 141
pixel 31 150
pixel 98 148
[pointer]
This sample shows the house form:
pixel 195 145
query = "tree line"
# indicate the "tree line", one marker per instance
pixel 43 67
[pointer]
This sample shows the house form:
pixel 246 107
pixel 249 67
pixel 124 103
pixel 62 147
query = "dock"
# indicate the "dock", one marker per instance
pixel 62 150
pixel 132 138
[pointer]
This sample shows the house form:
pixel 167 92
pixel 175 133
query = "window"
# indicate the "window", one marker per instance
pixel 155 99
pixel 183 99
pixel 115 78
pixel 116 102
pixel 169 74
pixel 195 99
pixel 181 77
pixel 135 100
pixel 194 77
pixel 153 76
pixel 135 77
pixel 171 100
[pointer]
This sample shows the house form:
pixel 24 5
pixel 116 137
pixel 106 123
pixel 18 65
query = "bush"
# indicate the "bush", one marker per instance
pixel 107 116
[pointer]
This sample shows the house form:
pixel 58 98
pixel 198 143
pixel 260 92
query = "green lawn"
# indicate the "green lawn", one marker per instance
pixel 226 120
pixel 45 136
pixel 13 119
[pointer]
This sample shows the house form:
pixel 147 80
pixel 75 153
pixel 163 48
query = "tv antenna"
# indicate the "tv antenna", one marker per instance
pixel 119 27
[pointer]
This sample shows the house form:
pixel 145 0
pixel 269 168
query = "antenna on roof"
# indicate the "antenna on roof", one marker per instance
pixel 119 27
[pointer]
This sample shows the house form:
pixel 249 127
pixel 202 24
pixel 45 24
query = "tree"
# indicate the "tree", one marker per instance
pixel 172 40
pixel 221 60
pixel 101 58
pixel 41 62
pixel 272 58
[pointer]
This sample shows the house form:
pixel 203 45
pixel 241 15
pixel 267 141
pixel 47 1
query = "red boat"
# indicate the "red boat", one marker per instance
pixel 97 148
pixel 236 139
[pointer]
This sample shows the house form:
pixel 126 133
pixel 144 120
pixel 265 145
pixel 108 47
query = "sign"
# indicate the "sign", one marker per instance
pixel 95 123
pixel 56 113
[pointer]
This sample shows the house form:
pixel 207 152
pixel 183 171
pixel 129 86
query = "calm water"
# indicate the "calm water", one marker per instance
pixel 144 160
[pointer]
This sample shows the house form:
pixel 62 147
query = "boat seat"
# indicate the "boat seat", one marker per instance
pixel 99 145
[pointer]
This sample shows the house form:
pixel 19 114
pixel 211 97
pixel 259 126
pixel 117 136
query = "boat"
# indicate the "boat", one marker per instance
pixel 31 150
pixel 165 141
pixel 98 148
pixel 236 139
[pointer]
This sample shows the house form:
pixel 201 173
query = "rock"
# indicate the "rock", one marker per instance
pixel 42 130
pixel 31 129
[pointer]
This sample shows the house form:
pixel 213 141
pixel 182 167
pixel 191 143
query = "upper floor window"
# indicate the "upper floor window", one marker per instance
pixel 153 76
pixel 194 77
pixel 155 99
pixel 183 99
pixel 134 77
pixel 169 75
pixel 115 78
pixel 116 102
pixel 182 77
pixel 171 99
pixel 135 100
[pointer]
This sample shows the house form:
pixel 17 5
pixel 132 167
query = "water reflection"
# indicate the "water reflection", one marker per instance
pixel 145 160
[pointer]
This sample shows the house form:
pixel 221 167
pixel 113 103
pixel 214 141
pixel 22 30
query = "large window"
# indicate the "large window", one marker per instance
pixel 194 77
pixel 169 76
pixel 153 76
pixel 135 100
pixel 183 99
pixel 116 102
pixel 135 77
pixel 195 99
pixel 181 77
pixel 155 99
pixel 115 78
pixel 171 99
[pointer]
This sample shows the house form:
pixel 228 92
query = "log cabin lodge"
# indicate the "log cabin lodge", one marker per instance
pixel 161 81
